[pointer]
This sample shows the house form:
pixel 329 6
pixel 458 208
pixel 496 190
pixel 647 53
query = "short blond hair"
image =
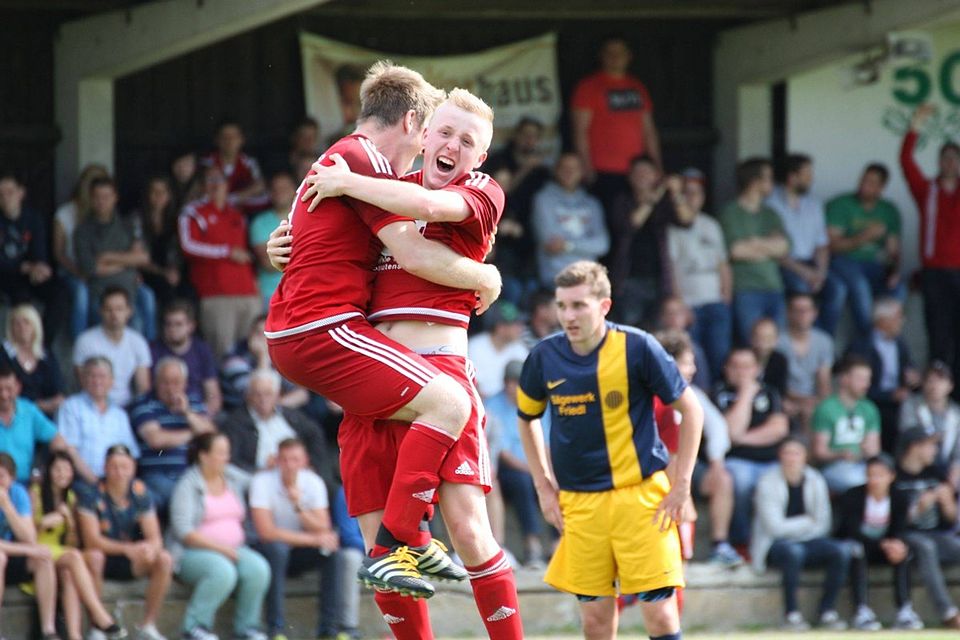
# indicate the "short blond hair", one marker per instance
pixel 586 272
pixel 389 91
pixel 463 99
pixel 29 313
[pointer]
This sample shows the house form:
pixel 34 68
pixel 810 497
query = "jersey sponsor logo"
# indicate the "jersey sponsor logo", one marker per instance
pixel 426 496
pixel 624 100
pixel 553 384
pixel 464 469
pixel 573 405
pixel 391 619
pixel 613 399
pixel 502 613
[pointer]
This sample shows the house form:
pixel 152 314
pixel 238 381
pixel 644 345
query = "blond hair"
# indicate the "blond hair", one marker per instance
pixel 30 313
pixel 463 99
pixel 586 272
pixel 390 91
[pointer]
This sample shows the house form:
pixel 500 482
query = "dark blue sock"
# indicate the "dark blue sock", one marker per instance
pixel 670 636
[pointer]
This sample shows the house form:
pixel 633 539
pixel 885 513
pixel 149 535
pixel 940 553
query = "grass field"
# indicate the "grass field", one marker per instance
pixel 780 635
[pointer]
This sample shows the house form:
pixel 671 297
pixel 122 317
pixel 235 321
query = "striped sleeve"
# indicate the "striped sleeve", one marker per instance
pixel 486 201
pixel 531 392
pixel 191 228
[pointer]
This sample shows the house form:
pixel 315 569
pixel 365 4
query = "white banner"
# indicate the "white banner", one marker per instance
pixel 517 80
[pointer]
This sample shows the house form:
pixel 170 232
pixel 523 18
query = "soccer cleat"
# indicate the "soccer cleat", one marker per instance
pixel 395 571
pixel 432 560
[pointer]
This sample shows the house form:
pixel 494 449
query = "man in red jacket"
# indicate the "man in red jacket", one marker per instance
pixel 213 236
pixel 938 201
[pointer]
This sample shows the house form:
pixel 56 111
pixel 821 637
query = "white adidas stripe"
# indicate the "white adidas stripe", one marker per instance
pixel 376 161
pixel 347 342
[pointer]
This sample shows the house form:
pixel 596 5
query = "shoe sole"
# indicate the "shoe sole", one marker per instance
pixel 373 583
pixel 439 578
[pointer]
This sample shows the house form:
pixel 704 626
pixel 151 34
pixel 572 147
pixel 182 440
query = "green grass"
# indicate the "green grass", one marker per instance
pixel 780 635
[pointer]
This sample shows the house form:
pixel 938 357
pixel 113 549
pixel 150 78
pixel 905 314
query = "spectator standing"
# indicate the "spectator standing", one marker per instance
pixel 491 350
pixel 791 532
pixel 612 122
pixel 568 222
pixel 36 368
pixel 178 339
pixel 756 242
pixel 283 190
pixel 864 233
pixel 208 543
pixel 121 536
pixel 934 411
pixel 157 222
pixel 702 276
pixel 846 427
pixel 213 236
pixel 774 368
pixel 894 375
pixel 289 506
pixel 23 426
pixel 938 201
pixel 241 171
pixel 166 421
pixel 125 348
pixel 757 424
pixel 809 353
pixel 90 423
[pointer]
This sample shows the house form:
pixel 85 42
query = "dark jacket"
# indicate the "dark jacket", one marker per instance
pixel 850 514
pixel 240 429
pixel 863 346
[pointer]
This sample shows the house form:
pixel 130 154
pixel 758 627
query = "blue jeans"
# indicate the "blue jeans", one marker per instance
pixel 745 474
pixel 750 306
pixel 214 577
pixel 791 557
pixel 160 483
pixel 518 491
pixel 860 281
pixel 713 330
pixel 345 596
pixel 285 560
pixel 80 315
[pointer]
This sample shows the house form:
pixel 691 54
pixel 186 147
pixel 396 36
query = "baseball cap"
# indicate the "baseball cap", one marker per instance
pixel 912 436
pixel 513 370
pixel 503 312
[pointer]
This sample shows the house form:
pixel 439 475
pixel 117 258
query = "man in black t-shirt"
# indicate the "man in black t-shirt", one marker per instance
pixel 757 424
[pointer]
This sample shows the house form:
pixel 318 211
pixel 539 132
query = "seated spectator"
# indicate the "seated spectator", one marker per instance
pixel 568 222
pixel 290 510
pixel 90 423
pixel 208 543
pixel 864 233
pixel 934 411
pixel 543 319
pixel 37 368
pixel 791 532
pixel 242 172
pixel 157 225
pixel 701 269
pixel 846 427
pixel 774 368
pixel 894 374
pixel 639 262
pixel 178 339
pixel 283 190
pixel 491 350
pixel 53 514
pixel 125 348
pixel 121 536
pixel 109 252
pixel 165 421
pixel 256 430
pixel 186 182
pixel 809 353
pixel 22 558
pixel 23 426
pixel 931 517
pixel 513 473
pixel 874 517
pixel 675 315
pixel 304 141
pixel 347 560
pixel 213 237
pixel 65 221
pixel 249 355
pixel 25 272
pixel 756 242
pixel 757 424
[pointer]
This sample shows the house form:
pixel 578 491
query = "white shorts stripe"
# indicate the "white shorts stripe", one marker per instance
pixel 348 343
pixel 390 352
pixel 426 425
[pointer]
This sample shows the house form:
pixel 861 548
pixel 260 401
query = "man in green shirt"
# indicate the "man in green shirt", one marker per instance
pixel 756 242
pixel 846 427
pixel 864 233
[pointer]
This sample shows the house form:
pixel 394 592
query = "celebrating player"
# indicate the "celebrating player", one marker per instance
pixel 606 490
pixel 318 336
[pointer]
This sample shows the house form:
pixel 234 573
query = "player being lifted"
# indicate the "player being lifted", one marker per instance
pixel 318 335
pixel 459 207
pixel 606 489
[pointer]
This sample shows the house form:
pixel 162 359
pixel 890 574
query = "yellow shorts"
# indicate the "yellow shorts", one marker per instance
pixel 609 538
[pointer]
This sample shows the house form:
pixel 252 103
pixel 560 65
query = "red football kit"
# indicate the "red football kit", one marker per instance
pixel 207 236
pixel 316 331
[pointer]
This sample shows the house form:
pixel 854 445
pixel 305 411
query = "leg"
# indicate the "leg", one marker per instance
pixel 45 582
pixel 160 484
pixel 714 328
pixel 496 511
pixel 859 569
pixel 253 578
pixel 146 311
pixel 834 556
pixel 71 563
pixel 924 548
pixel 745 474
pixel 70 604
pixel 599 619
pixel 746 311
pixel 213 578
pixel 789 558
pixel 159 576
pixel 80 314
pixel 851 275
pixel 718 487
pixel 776 308
pixel 96 561
pixel 833 296
pixel 518 488
pixel 661 618
pixel 346 562
pixel 214 320
pixel 277 555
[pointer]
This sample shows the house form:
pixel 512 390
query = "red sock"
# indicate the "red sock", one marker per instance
pixel 415 481
pixel 407 618
pixel 495 591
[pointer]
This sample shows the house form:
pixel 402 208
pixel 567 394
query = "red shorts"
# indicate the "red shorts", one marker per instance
pixel 368 447
pixel 355 366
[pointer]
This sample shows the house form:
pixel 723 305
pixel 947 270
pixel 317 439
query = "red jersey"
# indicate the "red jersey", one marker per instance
pixel 242 173
pixel 939 212
pixel 335 249
pixel 617 105
pixel 668 424
pixel 398 295
pixel 207 236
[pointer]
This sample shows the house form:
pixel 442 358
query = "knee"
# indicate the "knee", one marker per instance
pixel 70 558
pixel 457 407
pixel 95 560
pixel 221 576
pixel 923 547
pixel 254 569
pixel 163 563
pixel 662 619
pixel 596 624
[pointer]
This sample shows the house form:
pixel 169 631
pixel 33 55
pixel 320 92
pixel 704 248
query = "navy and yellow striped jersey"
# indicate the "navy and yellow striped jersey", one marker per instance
pixel 602 431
